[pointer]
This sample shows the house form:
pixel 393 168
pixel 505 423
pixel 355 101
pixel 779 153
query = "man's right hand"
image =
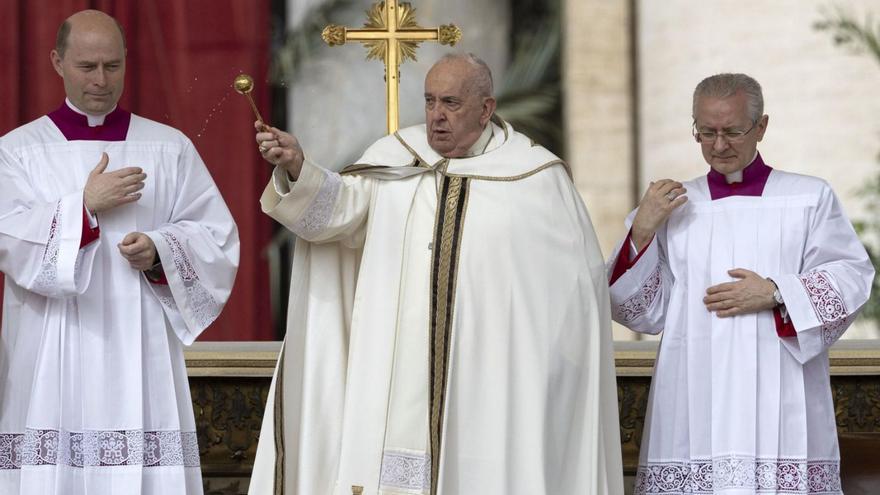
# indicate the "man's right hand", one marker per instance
pixel 280 149
pixel 659 201
pixel 105 191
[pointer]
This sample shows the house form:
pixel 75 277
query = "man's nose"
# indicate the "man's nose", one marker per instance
pixel 436 114
pixel 720 143
pixel 100 77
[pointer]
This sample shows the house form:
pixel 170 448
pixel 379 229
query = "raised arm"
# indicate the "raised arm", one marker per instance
pixel 638 271
pixel 316 204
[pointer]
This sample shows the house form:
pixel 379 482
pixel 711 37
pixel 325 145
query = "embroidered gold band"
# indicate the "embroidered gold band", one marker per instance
pixel 451 207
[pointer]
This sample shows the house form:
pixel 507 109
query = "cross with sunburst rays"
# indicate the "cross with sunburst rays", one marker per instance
pixel 391 34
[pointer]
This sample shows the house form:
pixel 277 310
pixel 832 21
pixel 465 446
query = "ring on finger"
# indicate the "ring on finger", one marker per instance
pixel 671 196
pixel 262 148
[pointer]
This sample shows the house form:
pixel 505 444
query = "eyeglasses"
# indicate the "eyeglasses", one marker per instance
pixel 732 136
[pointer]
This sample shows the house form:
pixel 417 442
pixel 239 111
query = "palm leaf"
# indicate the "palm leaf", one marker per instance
pixel 529 96
pixel 849 33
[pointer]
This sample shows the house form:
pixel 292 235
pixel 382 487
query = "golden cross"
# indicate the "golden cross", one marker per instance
pixel 391 34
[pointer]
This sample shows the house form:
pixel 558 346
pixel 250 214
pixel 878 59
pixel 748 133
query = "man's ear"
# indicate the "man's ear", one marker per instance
pixel 762 126
pixel 489 105
pixel 55 58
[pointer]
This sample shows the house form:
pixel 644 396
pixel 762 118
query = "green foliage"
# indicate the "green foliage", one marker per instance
pixel 861 38
pixel 849 33
pixel 529 96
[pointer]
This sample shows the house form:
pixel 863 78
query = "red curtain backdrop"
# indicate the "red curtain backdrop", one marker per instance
pixel 182 58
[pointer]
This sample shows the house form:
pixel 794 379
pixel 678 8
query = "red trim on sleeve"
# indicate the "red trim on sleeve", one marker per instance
pixel 623 263
pixel 162 280
pixel 156 275
pixel 89 234
pixel 784 326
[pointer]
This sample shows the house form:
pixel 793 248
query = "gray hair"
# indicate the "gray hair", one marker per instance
pixel 726 85
pixel 482 81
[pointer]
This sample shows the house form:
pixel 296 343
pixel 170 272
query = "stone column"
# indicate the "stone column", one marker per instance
pixel 598 109
pixel 598 114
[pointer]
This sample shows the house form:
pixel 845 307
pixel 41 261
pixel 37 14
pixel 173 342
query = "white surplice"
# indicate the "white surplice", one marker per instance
pixel 94 398
pixel 530 397
pixel 733 407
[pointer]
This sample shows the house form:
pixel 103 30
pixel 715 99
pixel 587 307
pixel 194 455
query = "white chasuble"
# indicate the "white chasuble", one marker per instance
pixel 94 398
pixel 735 407
pixel 448 329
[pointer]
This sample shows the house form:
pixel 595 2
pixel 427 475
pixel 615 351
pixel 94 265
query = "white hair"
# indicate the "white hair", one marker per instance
pixel 482 78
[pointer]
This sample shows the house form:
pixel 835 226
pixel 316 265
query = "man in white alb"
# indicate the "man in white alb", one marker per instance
pixel 449 330
pixel 118 250
pixel 751 273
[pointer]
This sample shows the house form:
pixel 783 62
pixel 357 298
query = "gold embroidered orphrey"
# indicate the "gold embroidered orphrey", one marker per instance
pixel 449 224
pixel 391 34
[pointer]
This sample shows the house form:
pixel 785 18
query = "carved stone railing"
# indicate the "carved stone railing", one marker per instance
pixel 230 382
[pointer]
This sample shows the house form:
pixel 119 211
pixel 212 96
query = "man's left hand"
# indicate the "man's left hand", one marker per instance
pixel 750 294
pixel 138 249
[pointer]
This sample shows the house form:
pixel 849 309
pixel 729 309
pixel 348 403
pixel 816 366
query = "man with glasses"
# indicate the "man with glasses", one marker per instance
pixel 753 273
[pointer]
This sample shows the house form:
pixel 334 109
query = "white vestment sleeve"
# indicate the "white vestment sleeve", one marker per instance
pixel 39 239
pixel 199 251
pixel 834 283
pixel 640 296
pixel 322 206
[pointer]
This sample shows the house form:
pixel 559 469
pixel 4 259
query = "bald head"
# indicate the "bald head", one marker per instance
pixel 86 20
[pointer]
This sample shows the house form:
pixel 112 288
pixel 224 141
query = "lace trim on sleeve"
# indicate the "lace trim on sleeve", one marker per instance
pixel 827 303
pixel 169 302
pixel 318 214
pixel 47 279
pixel 638 304
pixel 205 308
pixel 406 470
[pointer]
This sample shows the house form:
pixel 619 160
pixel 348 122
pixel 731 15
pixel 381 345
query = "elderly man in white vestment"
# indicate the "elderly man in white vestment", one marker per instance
pixel 751 273
pixel 449 319
pixel 118 250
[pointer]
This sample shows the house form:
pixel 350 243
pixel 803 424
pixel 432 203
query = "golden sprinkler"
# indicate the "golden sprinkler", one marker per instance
pixel 244 84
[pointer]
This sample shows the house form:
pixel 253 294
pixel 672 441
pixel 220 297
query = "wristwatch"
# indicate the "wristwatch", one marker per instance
pixel 777 296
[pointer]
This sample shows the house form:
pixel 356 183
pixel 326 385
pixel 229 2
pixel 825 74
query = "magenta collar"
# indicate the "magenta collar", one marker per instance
pixel 753 181
pixel 75 126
